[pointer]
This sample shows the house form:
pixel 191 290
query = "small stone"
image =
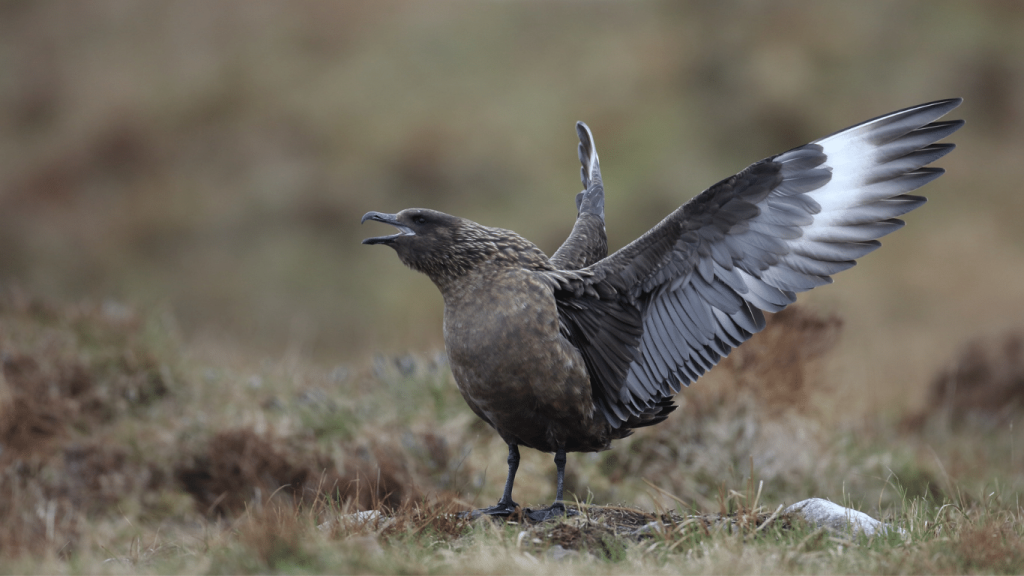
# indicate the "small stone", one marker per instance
pixel 558 552
pixel 821 512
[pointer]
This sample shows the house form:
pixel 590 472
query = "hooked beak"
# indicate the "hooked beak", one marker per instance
pixel 387 219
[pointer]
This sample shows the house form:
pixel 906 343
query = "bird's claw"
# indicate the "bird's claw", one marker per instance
pixel 556 510
pixel 500 509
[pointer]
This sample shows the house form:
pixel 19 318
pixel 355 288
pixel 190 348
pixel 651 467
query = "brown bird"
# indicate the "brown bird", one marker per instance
pixel 566 354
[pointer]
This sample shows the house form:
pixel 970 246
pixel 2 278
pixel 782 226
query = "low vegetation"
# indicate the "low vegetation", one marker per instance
pixel 123 450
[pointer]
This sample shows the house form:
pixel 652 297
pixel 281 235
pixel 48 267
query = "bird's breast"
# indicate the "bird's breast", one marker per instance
pixel 510 361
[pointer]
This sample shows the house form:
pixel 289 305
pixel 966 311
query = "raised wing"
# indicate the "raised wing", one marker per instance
pixel 700 279
pixel 587 243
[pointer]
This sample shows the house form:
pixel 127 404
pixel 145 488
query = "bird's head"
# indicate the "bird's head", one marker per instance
pixel 429 241
pixel 446 247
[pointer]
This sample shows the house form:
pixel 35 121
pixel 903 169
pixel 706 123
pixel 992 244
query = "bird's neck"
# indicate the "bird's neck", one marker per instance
pixel 455 281
pixel 474 254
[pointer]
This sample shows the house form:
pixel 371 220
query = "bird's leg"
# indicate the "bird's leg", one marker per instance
pixel 560 466
pixel 506 506
pixel 558 508
pixel 513 466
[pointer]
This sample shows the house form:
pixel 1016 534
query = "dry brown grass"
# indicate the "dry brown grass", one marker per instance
pixel 205 469
pixel 69 373
pixel 991 546
pixel 985 382
pixel 276 534
pixel 240 467
pixel 78 388
pixel 51 389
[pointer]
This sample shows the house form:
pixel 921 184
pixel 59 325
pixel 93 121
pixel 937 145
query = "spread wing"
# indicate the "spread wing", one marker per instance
pixel 587 242
pixel 663 310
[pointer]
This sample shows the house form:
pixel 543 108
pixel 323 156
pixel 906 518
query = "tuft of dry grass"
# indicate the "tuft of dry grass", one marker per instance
pixel 990 546
pixel 984 384
pixel 276 535
pixel 240 466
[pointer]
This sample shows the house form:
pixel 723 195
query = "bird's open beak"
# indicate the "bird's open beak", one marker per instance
pixel 387 219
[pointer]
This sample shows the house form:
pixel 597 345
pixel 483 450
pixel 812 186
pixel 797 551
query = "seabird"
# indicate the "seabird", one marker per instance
pixel 567 353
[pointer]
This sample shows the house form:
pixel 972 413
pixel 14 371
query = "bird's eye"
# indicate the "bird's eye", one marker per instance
pixel 419 219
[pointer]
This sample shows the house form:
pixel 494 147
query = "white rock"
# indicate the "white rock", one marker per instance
pixel 838 518
pixel 359 519
pixel 558 552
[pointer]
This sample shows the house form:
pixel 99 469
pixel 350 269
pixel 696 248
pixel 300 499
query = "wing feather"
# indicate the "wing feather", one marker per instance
pixel 683 295
pixel 588 242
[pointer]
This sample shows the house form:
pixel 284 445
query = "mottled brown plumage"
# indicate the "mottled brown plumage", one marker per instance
pixel 569 353
pixel 510 356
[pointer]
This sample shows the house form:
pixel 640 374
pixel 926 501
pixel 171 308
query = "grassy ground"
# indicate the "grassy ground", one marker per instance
pixel 125 451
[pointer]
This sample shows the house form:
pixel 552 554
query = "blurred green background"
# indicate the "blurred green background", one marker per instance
pixel 211 160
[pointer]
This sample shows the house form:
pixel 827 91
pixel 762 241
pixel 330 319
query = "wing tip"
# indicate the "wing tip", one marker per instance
pixel 944 105
pixel 888 126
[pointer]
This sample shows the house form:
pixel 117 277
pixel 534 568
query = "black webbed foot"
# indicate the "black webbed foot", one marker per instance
pixel 502 509
pixel 556 510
